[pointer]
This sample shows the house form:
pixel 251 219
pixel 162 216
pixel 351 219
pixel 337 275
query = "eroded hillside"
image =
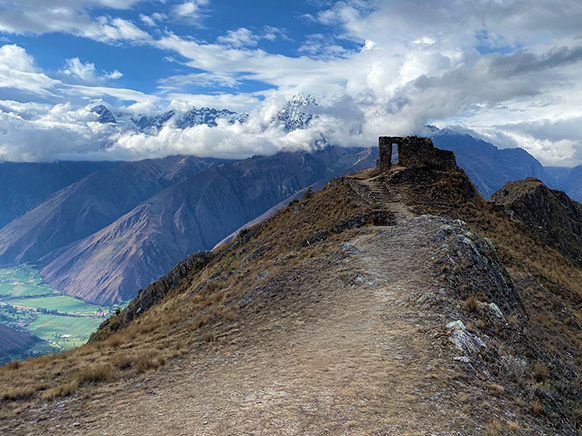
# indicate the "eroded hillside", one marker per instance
pixel 367 307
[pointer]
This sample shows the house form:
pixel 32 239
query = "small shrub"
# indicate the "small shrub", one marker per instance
pixel 229 314
pixel 198 322
pixel 308 194
pixel 18 393
pixel 61 390
pixel 537 407
pixel 11 366
pixel 97 374
pixel 209 337
pixel 147 361
pixel 122 361
pixel 114 341
pixel 540 372
pixel 472 303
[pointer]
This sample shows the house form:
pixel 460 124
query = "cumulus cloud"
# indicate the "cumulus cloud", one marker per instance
pixel 86 71
pixel 189 11
pixel 69 16
pixel 239 38
pixel 504 70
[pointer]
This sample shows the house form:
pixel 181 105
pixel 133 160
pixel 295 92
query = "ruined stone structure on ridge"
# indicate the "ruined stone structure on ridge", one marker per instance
pixel 413 152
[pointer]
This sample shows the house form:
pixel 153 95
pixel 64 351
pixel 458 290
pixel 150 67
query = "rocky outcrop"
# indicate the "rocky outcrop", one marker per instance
pixel 472 268
pixel 176 280
pixel 550 215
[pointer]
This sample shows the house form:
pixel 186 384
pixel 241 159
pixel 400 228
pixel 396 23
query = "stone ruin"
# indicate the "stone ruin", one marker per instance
pixel 413 152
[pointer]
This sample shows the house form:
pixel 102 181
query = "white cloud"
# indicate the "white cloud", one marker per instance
pixel 69 16
pixel 189 11
pixel 503 70
pixel 19 73
pixel 241 37
pixel 75 67
pixel 86 71
pixel 199 79
pixel 114 75
pixel 16 58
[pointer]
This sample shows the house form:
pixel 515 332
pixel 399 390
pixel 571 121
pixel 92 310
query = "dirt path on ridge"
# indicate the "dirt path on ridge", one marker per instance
pixel 340 347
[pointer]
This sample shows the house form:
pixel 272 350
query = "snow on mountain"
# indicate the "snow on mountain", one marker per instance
pixel 181 120
pixel 298 112
pixel 208 116
pixel 105 115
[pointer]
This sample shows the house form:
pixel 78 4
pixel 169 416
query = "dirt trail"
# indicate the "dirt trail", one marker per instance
pixel 339 348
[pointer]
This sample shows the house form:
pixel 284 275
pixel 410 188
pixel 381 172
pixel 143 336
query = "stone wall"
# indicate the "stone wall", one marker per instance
pixel 414 152
pixel 385 149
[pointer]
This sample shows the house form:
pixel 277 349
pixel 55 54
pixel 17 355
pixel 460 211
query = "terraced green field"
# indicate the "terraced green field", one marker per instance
pixel 29 304
pixel 57 302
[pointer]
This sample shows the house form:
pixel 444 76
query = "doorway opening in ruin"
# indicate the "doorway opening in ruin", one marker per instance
pixel 394 157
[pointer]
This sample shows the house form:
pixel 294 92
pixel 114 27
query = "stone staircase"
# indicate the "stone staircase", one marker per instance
pixel 382 197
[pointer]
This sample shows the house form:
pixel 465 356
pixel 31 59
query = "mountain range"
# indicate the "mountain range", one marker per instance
pixel 385 303
pixel 105 236
pixel 101 231
pixel 153 123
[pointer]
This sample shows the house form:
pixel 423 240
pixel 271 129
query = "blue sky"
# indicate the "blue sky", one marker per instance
pixel 503 70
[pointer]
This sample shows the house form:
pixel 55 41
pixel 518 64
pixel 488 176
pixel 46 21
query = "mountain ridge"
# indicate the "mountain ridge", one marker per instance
pixel 116 261
pixel 369 304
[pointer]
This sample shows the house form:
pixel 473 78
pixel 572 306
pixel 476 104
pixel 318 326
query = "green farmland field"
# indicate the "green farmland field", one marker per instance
pixel 67 331
pixel 29 304
pixel 58 302
pixel 21 281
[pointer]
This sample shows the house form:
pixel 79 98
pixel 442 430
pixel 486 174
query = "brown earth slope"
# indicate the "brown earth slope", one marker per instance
pixel 350 311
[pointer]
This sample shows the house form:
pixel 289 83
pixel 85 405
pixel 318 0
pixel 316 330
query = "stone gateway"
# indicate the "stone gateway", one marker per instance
pixel 413 152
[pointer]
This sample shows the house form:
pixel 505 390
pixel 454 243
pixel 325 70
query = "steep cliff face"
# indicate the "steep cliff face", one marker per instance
pixel 550 215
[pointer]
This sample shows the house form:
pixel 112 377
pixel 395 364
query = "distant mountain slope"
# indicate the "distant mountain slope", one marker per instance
pixel 489 167
pixel 24 185
pixel 573 183
pixel 13 339
pixel 112 264
pixel 14 344
pixel 90 204
pixel 552 217
pixel 558 176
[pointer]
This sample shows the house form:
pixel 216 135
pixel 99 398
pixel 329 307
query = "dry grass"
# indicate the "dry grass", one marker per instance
pixel 148 361
pixel 97 374
pixel 472 303
pixel 540 372
pixel 537 407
